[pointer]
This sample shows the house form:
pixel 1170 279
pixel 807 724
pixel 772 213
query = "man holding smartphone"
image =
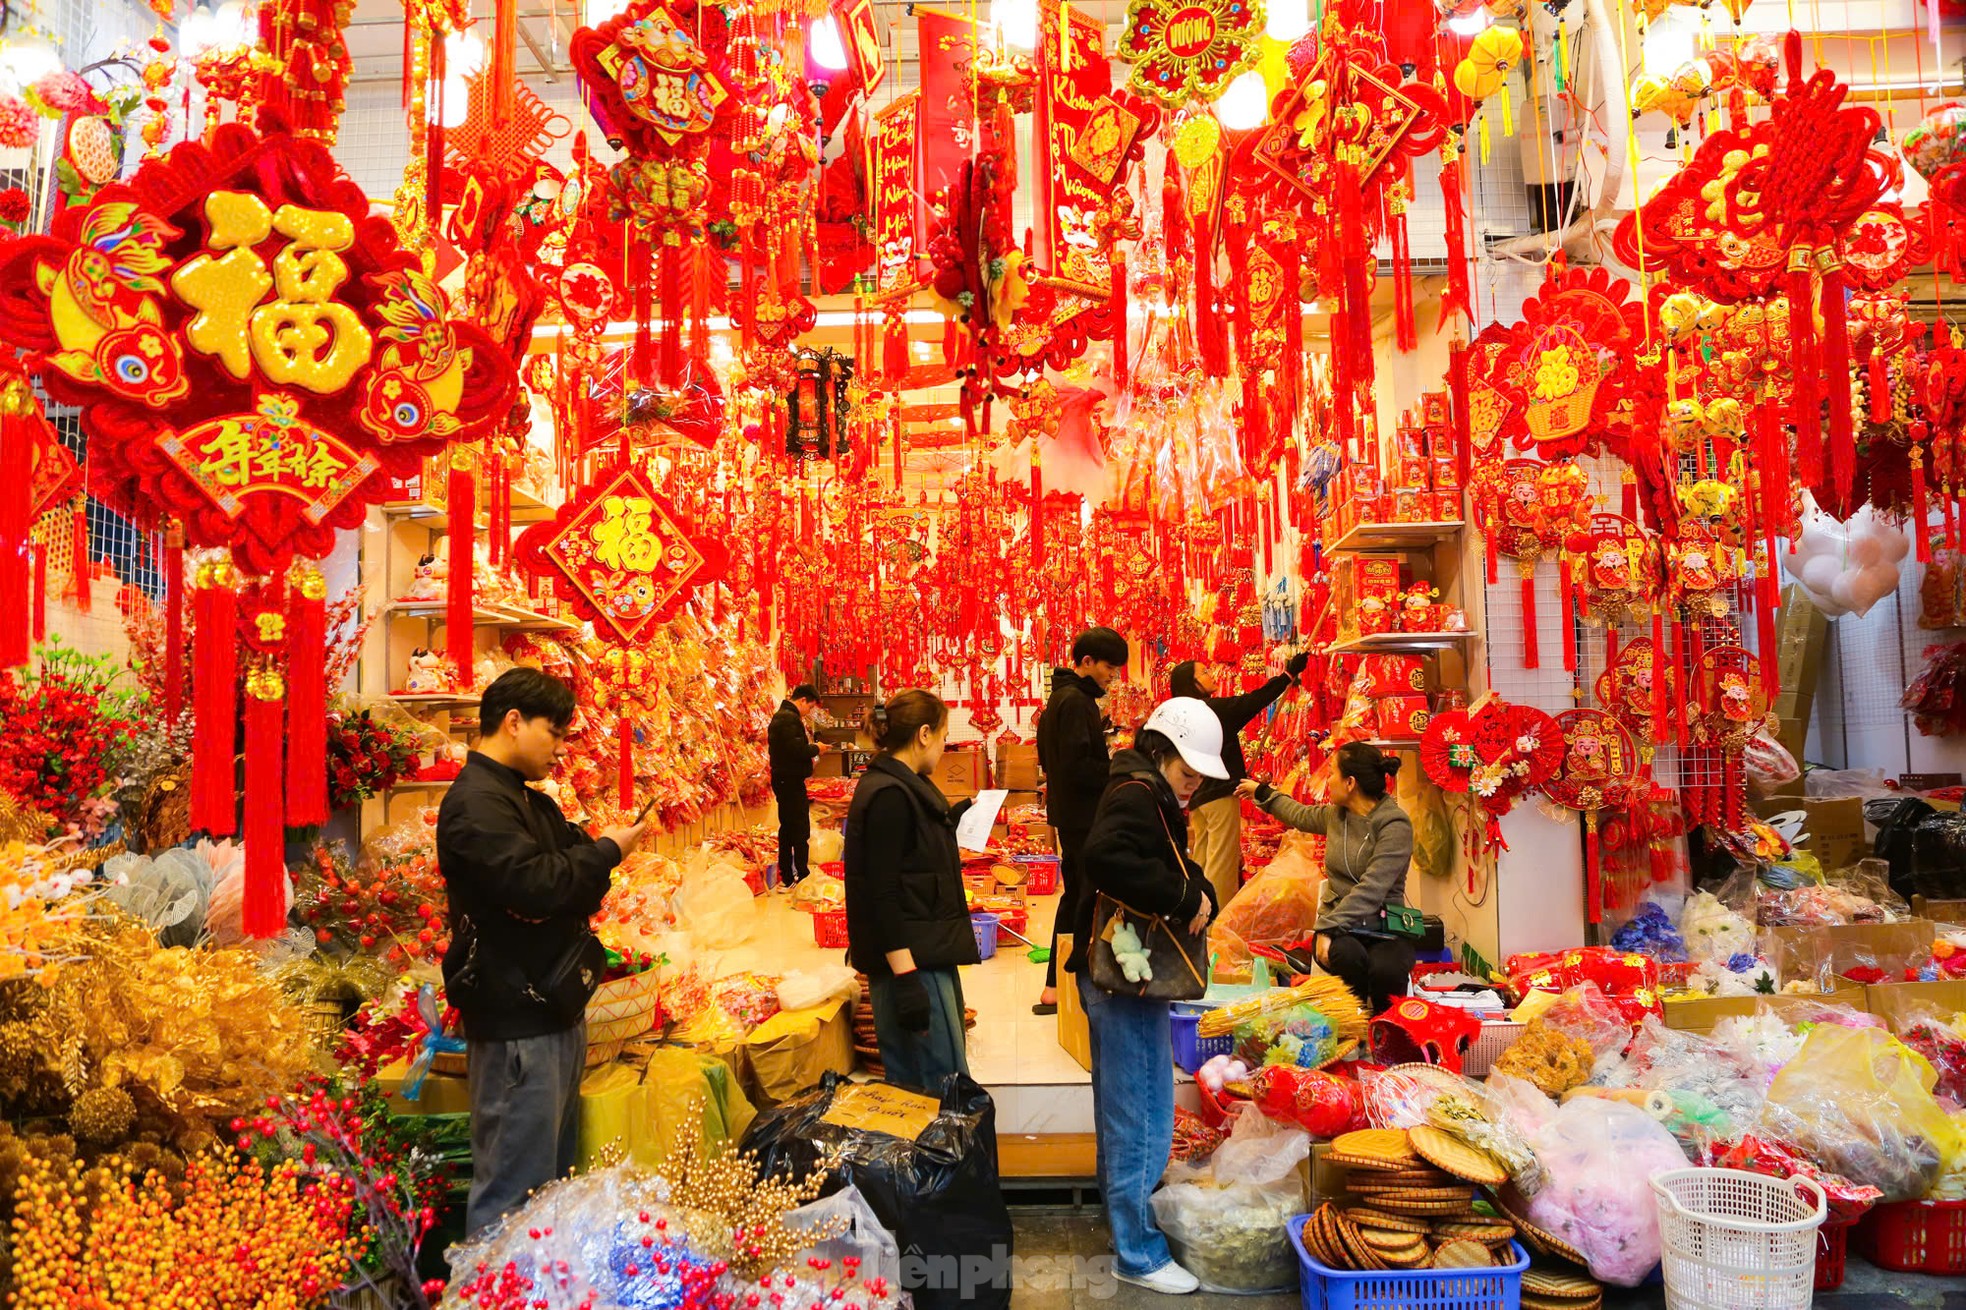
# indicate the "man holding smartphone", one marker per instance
pixel 522 883
pixel 792 752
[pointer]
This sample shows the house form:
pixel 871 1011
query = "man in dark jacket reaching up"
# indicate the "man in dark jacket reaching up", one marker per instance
pixel 792 753
pixel 521 883
pixel 1215 815
pixel 1072 753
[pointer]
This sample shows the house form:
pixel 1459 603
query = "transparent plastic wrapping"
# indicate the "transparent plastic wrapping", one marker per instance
pixel 859 1235
pixel 1225 1217
pixel 1860 1103
pixel 1714 930
pixel 714 906
pixel 1699 1087
pixel 1280 904
pixel 1409 1095
pixel 1599 1157
pixel 804 988
pixel 1586 1013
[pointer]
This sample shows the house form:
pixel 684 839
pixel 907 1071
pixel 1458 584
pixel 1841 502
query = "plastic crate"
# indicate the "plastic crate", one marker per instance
pixel 1406 1289
pixel 1191 1049
pixel 1915 1237
pixel 829 928
pixel 1497 1036
pixel 1041 874
pixel 984 925
pixel 832 868
pixel 1017 921
pixel 1832 1245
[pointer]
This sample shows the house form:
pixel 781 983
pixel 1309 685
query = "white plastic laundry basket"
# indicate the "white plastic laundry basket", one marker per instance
pixel 1738 1241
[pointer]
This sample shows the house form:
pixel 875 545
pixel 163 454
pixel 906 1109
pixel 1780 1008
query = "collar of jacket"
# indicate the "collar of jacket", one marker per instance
pixel 1073 678
pixel 931 795
pixel 505 773
pixel 1133 764
pixel 788 705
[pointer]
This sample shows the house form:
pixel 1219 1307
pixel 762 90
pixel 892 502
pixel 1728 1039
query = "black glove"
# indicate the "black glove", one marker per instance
pixel 1298 663
pixel 911 1002
pixel 1263 793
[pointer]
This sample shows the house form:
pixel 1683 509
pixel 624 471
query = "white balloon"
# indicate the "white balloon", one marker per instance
pixel 1818 573
pixel 1843 591
pixel 1821 536
pixel 1865 548
pixel 1896 544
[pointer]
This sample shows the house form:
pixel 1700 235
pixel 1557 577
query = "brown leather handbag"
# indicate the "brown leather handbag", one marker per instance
pixel 1178 958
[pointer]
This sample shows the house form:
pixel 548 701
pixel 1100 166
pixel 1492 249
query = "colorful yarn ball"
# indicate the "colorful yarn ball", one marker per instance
pixel 1937 140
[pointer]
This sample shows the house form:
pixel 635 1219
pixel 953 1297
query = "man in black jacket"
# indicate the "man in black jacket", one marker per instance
pixel 1215 815
pixel 521 883
pixel 792 753
pixel 1072 753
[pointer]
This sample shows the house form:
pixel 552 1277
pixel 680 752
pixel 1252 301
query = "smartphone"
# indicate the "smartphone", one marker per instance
pixel 643 813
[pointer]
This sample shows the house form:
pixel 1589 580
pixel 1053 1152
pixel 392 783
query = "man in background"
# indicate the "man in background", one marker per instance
pixel 1215 815
pixel 521 883
pixel 792 752
pixel 1072 752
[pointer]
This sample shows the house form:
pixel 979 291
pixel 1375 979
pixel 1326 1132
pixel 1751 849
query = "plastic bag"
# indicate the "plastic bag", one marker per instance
pixel 1599 1157
pixel 1586 1013
pixel 1860 1103
pixel 1937 860
pixel 937 1193
pixel 1941 1040
pixel 860 1235
pixel 804 988
pixel 1700 1088
pixel 825 846
pixel 1225 1219
pixel 1848 1201
pixel 1836 784
pixel 714 907
pixel 1714 930
pixel 1434 838
pixel 1280 904
pixel 1652 930
pixel 1769 765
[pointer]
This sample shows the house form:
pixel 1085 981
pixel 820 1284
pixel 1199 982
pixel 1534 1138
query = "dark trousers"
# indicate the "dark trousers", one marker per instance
pixel 794 830
pixel 525 1118
pixel 1375 968
pixel 1071 877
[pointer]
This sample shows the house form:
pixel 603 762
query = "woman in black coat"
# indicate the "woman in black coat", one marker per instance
pixel 907 920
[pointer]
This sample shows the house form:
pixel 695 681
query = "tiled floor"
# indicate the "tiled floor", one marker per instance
pixel 1066 1260
pixel 1038 1088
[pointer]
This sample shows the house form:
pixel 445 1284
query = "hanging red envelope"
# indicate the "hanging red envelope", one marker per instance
pixel 621 555
pixel 1636 689
pixel 1600 771
pixel 1619 580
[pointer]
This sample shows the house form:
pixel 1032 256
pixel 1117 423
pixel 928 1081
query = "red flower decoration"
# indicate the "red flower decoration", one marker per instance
pixel 14 205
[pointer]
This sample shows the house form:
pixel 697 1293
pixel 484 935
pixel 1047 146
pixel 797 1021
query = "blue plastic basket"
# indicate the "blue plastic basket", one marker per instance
pixel 1408 1289
pixel 1191 1049
pixel 984 925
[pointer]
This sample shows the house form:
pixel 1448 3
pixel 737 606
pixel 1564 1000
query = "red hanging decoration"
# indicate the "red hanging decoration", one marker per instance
pixel 214 685
pixel 1117 310
pixel 1836 371
pixel 1567 590
pixel 307 698
pixel 263 910
pixel 460 637
pixel 81 585
pixel 41 591
pixel 624 732
pixel 173 565
pixel 1921 536
pixel 18 415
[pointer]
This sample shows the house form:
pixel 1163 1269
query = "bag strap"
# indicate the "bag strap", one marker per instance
pixel 1180 864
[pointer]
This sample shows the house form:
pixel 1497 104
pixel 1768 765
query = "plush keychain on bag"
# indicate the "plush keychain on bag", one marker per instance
pixel 1130 954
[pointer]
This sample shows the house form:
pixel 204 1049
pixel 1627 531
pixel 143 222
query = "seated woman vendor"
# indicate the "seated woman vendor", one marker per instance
pixel 1368 846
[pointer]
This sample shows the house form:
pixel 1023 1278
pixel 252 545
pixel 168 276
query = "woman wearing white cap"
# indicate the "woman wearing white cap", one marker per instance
pixel 1137 853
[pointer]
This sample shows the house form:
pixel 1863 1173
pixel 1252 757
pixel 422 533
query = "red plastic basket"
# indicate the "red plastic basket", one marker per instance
pixel 1915 1237
pixel 1018 921
pixel 1041 876
pixel 829 928
pixel 1832 1244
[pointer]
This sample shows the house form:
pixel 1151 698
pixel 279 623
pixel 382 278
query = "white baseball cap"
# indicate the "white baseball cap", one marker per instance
pixel 1195 732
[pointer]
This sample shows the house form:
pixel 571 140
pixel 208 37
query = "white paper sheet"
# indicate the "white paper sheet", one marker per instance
pixel 973 832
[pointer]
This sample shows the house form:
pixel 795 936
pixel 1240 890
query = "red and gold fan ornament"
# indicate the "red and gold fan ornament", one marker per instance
pixel 1493 752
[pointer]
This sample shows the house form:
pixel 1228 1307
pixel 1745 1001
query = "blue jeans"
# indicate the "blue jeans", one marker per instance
pixel 913 1059
pixel 1133 1117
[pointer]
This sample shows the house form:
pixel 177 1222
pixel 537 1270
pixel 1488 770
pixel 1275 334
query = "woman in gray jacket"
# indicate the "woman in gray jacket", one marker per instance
pixel 1368 845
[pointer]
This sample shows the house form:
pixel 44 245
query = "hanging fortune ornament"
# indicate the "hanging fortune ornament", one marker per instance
pixel 1634 687
pixel 1184 50
pixel 1529 512
pixel 1600 771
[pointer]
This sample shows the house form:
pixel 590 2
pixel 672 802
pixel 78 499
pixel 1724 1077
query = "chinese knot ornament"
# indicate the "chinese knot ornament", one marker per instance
pixel 1600 771
pixel 1493 751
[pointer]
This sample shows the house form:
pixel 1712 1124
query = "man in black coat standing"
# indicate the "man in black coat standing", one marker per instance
pixel 1072 753
pixel 792 753
pixel 1215 815
pixel 521 883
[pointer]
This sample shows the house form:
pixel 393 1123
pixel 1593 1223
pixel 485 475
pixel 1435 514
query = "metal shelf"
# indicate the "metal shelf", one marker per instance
pixel 1397 643
pixel 420 784
pixel 437 611
pixel 1396 536
pixel 435 700
pixel 522 620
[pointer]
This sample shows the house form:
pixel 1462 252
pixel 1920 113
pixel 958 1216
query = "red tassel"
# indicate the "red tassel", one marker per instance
pixel 1880 387
pixel 1921 536
pixel 1037 512
pixel 1685 671
pixel 79 569
pixel 263 912
pixel 18 415
pixel 672 316
pixel 41 592
pixel 1836 371
pixel 460 638
pixel 1494 555
pixel 1593 870
pixel 214 686
pixel 1458 298
pixel 1406 330
pixel 624 732
pixel 1116 303
pixel 173 623
pixel 1531 654
pixel 894 348
pixel 1291 371
pixel 1661 675
pixel 1569 615
pixel 307 699
pixel 504 57
pixel 1767 599
pixel 1807 404
pixel 433 93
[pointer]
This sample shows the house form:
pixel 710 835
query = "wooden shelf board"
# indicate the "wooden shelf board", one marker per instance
pixel 1396 536
pixel 1395 643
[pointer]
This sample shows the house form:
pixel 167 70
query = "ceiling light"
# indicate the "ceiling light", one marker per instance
pixel 1472 23
pixel 1017 22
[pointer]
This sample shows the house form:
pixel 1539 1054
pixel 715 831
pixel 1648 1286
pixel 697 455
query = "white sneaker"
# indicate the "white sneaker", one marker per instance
pixel 1170 1280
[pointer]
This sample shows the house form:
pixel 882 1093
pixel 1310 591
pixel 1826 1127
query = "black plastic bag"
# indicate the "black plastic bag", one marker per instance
pixel 937 1194
pixel 1896 820
pixel 1938 859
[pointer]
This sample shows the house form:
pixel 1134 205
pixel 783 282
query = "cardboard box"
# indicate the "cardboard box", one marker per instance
pixel 1939 911
pixel 960 773
pixel 1799 661
pixel 1073 1034
pixel 1836 831
pixel 1017 765
pixel 1808 952
pixel 1898 1002
pixel 1701 1015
